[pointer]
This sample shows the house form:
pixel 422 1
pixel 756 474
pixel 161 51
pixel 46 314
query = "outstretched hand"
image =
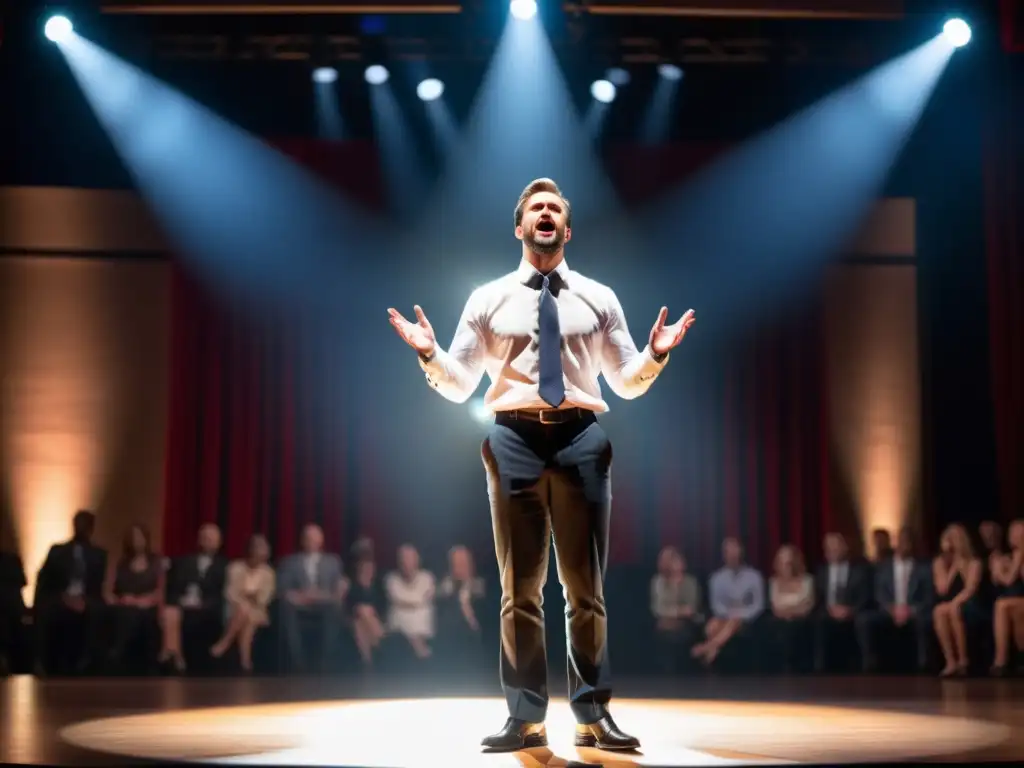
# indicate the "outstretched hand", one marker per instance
pixel 665 337
pixel 418 335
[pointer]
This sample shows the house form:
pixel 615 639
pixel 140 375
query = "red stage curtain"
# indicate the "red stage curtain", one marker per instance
pixel 241 450
pixel 1004 164
pixel 747 452
pixel 746 455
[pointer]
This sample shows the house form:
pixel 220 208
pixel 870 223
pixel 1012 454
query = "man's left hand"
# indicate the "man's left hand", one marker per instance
pixel 665 337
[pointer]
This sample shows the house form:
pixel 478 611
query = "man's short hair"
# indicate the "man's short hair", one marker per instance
pixel 541 185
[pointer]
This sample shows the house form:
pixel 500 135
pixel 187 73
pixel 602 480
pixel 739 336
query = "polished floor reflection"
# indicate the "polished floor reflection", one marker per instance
pixel 336 722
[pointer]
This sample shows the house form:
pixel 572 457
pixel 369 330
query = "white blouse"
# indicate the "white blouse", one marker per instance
pixel 787 599
pixel 411 603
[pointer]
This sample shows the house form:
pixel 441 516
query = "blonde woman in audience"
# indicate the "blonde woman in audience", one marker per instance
pixel 675 605
pixel 957 573
pixel 1007 571
pixel 791 597
pixel 248 592
pixel 410 591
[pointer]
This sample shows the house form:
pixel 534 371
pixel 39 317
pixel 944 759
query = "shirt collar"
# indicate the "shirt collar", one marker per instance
pixel 526 271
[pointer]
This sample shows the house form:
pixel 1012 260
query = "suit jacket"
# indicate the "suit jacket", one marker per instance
pixel 12 578
pixel 55 575
pixel 855 594
pixel 292 574
pixel 920 590
pixel 185 572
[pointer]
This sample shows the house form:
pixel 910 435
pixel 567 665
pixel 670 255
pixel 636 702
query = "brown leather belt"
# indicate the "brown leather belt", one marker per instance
pixel 545 416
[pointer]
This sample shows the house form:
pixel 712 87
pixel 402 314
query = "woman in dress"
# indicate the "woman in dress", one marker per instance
pixel 957 574
pixel 1007 571
pixel 248 591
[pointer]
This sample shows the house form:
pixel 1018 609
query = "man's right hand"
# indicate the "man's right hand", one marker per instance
pixel 418 335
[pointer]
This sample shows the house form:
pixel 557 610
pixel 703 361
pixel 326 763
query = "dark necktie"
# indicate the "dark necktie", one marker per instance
pixel 551 389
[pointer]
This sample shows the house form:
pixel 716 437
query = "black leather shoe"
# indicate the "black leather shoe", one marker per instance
pixel 605 734
pixel 517 734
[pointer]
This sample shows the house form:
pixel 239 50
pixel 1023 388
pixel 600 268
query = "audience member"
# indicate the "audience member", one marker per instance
pixel 68 605
pixel 194 598
pixel 314 589
pixel 957 574
pixel 791 596
pixel 675 605
pixel 1008 614
pixel 458 597
pixel 12 606
pixel 843 590
pixel 410 591
pixel 367 603
pixel 991 535
pixel 250 588
pixel 736 594
pixel 881 545
pixel 133 591
pixel 904 597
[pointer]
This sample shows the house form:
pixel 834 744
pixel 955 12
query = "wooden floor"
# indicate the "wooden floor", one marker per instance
pixel 708 721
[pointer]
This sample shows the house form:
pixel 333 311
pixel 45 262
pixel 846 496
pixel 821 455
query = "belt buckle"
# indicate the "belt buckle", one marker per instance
pixel 543 420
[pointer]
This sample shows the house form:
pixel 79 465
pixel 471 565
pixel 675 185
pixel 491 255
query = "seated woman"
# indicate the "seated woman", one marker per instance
pixel 675 606
pixel 458 598
pixel 410 592
pixel 134 590
pixel 791 597
pixel 367 601
pixel 248 592
pixel 957 574
pixel 1007 572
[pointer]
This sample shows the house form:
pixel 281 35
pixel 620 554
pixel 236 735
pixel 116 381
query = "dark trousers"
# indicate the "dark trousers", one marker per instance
pixel 58 627
pixel 673 642
pixel 545 479
pixel 130 624
pixel 871 624
pixel 834 641
pixel 791 636
pixel 325 617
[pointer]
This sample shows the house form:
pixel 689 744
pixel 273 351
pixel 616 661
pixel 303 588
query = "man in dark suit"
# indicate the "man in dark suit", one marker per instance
pixel 904 595
pixel 12 606
pixel 843 591
pixel 193 613
pixel 69 596
pixel 313 589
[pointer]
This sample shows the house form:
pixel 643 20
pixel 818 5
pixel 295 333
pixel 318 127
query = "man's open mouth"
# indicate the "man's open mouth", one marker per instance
pixel 546 226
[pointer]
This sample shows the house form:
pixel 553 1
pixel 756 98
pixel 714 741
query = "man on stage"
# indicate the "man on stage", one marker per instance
pixel 543 334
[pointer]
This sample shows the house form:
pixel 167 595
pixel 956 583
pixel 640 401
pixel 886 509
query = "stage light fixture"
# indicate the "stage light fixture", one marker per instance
pixel 58 28
pixel 603 91
pixel 957 32
pixel 376 74
pixel 670 72
pixel 430 89
pixel 617 76
pixel 325 75
pixel 523 9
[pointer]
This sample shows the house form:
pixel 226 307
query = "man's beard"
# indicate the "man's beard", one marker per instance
pixel 546 247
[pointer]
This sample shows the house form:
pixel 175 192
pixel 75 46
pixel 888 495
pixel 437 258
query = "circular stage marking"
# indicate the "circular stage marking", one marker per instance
pixel 386 733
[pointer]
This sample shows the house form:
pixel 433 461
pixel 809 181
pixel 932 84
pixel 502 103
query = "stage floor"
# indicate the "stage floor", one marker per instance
pixel 316 721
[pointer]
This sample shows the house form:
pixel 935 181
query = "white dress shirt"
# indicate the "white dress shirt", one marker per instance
pixel 901 579
pixel 498 333
pixel 312 563
pixel 837 575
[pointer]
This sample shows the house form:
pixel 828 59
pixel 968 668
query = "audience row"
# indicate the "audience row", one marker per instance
pixel 145 611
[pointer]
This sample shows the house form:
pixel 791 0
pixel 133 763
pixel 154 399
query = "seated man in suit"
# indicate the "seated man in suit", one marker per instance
pixel 12 606
pixel 69 595
pixel 194 605
pixel 843 590
pixel 314 590
pixel 904 597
